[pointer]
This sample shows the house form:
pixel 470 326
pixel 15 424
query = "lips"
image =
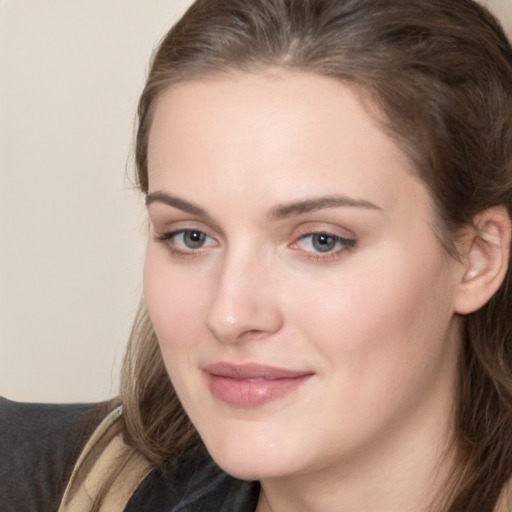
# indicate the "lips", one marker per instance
pixel 251 385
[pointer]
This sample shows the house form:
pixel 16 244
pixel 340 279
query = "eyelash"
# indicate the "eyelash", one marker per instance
pixel 169 240
pixel 343 244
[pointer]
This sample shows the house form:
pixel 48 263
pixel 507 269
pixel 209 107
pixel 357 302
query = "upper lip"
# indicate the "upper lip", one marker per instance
pixel 253 371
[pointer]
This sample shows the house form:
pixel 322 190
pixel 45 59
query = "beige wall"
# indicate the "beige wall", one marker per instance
pixel 503 9
pixel 71 230
pixel 70 227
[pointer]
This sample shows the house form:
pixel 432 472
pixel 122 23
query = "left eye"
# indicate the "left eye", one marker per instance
pixel 323 243
pixel 188 239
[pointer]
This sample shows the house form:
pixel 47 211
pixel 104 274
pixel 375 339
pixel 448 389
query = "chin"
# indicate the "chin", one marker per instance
pixel 252 457
pixel 251 469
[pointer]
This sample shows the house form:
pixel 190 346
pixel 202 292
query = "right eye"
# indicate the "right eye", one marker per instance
pixel 187 240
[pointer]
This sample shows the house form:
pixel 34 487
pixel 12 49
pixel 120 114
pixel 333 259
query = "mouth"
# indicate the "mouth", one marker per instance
pixel 252 385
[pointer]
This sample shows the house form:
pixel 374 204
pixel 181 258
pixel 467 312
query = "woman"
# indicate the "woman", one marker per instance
pixel 327 282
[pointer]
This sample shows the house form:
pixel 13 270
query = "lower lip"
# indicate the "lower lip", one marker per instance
pixel 248 394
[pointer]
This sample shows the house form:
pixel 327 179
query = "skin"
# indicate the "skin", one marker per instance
pixel 373 320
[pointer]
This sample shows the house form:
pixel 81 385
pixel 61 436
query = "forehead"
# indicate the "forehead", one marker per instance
pixel 280 129
pixel 261 100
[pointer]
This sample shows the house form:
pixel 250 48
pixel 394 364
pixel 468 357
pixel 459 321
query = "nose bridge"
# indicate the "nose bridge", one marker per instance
pixel 243 303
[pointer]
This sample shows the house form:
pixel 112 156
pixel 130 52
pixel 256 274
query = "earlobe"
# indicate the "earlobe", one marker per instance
pixel 486 258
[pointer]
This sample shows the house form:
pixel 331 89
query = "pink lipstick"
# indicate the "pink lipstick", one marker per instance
pixel 251 385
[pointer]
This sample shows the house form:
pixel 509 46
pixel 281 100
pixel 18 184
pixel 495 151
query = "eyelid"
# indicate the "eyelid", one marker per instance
pixel 311 228
pixel 344 236
pixel 161 214
pixel 347 241
pixel 168 237
pixel 165 226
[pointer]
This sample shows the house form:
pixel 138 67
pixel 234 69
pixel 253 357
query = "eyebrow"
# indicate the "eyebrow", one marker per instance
pixel 312 205
pixel 279 212
pixel 176 202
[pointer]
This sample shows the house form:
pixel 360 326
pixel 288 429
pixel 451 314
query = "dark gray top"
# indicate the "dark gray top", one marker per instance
pixel 40 443
pixel 193 483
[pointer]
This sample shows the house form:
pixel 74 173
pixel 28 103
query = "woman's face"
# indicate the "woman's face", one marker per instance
pixel 303 303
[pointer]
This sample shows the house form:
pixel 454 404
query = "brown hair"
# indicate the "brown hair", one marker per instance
pixel 441 73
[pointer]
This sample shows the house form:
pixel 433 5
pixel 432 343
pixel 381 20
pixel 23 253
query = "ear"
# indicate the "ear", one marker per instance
pixel 486 257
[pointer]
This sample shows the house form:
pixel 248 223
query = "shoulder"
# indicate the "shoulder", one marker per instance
pixel 124 479
pixel 119 475
pixel 39 444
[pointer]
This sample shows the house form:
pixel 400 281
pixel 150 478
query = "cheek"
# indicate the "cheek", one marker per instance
pixel 174 302
pixel 385 342
pixel 377 320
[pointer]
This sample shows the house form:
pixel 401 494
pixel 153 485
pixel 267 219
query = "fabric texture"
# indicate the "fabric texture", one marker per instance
pixel 41 443
pixel 193 483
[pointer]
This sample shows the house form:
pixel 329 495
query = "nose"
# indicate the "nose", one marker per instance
pixel 245 303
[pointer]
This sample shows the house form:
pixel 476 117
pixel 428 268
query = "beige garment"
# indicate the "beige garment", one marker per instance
pixel 125 484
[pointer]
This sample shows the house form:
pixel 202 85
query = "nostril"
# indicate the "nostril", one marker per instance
pixel 253 334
